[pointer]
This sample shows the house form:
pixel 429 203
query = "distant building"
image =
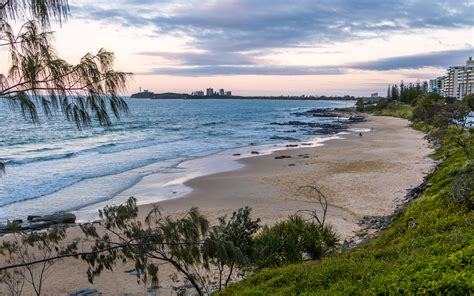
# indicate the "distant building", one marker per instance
pixel 466 84
pixel 437 85
pixel 459 81
pixel 221 92
pixel 209 92
pixel 228 93
pixel 374 95
pixel 198 93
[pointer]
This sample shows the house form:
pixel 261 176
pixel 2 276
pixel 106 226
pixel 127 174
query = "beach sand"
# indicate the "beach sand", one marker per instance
pixel 360 175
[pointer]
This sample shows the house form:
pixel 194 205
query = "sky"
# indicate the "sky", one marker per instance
pixel 272 47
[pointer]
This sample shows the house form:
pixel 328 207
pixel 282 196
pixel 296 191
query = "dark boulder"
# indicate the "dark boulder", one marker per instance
pixel 59 217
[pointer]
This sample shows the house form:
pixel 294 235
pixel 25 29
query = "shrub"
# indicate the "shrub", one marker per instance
pixel 462 191
pixel 292 240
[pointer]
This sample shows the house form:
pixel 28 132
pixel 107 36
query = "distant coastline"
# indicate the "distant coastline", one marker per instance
pixel 170 96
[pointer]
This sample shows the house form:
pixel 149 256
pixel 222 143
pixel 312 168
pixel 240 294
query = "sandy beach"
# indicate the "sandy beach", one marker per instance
pixel 361 176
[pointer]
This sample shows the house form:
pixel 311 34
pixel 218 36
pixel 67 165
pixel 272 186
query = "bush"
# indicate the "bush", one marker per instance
pixel 292 240
pixel 462 191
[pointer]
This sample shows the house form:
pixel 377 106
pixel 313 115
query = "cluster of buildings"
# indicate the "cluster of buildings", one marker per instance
pixel 211 93
pixel 458 82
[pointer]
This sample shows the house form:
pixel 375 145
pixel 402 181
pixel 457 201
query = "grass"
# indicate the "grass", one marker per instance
pixel 429 249
pixel 403 111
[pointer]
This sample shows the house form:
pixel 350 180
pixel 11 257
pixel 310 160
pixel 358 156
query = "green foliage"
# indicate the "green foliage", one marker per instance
pixel 235 234
pixel 188 243
pixel 394 109
pixel 462 191
pixel 289 241
pixel 434 110
pixel 360 104
pixel 468 101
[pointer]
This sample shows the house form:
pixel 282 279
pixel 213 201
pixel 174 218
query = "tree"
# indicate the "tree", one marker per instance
pixel 186 243
pixel 38 80
pixel 468 102
pixel 360 104
pixel 23 248
pixel 239 231
pixel 395 93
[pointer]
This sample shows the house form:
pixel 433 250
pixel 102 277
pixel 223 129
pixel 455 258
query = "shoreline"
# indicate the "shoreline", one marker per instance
pixel 361 176
pixel 270 178
pixel 155 188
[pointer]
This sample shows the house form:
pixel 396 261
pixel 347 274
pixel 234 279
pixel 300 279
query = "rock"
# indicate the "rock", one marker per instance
pixel 236 154
pixel 306 144
pixel 59 217
pixel 282 157
pixel 292 164
pixel 291 145
pixel 31 217
pixel 84 292
pixel 17 221
pixel 37 225
pixel 255 152
pixel 284 138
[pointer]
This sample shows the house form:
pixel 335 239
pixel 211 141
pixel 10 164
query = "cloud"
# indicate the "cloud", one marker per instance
pixel 440 59
pixel 205 58
pixel 246 70
pixel 243 25
pixel 230 37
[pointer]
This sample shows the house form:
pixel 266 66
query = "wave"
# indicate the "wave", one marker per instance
pixel 44 149
pixel 213 123
pixel 40 158
pixel 102 149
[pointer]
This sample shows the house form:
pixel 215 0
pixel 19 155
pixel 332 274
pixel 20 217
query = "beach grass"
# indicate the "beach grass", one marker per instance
pixel 403 111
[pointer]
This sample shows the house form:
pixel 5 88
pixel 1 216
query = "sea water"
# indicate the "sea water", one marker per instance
pixel 53 166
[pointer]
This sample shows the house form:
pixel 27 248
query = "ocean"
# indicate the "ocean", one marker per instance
pixel 55 167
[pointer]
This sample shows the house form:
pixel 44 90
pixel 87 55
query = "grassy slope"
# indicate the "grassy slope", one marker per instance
pixel 428 249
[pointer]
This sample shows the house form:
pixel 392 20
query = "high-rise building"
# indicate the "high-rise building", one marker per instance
pixel 466 84
pixel 209 92
pixel 221 92
pixel 437 85
pixel 228 93
pixel 459 81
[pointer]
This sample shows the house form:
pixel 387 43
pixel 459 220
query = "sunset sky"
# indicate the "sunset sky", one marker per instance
pixel 272 47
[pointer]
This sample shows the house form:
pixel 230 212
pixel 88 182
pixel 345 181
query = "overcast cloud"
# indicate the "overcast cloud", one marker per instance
pixel 229 36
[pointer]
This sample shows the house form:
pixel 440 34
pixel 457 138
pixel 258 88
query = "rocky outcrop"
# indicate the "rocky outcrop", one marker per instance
pixel 37 222
pixel 56 218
